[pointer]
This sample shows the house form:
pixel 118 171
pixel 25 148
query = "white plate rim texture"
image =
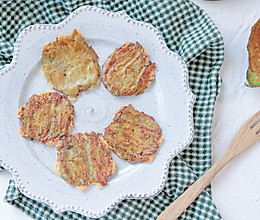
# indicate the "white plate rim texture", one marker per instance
pixel 7 159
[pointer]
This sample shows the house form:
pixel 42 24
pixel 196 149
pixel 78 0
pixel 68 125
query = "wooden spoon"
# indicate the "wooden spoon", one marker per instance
pixel 245 137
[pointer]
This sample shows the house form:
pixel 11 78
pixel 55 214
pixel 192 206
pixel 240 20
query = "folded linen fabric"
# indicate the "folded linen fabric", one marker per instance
pixel 188 31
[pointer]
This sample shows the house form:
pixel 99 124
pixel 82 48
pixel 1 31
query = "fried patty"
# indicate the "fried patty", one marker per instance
pixel 84 159
pixel 128 71
pixel 46 117
pixel 133 135
pixel 70 65
pixel 253 47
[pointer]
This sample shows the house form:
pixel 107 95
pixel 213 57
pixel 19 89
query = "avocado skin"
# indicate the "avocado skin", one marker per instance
pixel 253 47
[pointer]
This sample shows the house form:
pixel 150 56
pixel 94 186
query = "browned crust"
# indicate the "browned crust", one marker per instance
pixel 84 159
pixel 70 65
pixel 133 135
pixel 46 117
pixel 254 49
pixel 128 70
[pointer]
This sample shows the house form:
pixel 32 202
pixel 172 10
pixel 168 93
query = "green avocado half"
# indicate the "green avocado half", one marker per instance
pixel 253 47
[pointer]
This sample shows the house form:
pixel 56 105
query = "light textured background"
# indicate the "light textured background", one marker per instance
pixel 236 190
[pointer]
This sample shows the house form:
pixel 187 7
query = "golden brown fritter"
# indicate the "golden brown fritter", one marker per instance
pixel 84 159
pixel 128 70
pixel 46 117
pixel 133 135
pixel 70 65
pixel 253 73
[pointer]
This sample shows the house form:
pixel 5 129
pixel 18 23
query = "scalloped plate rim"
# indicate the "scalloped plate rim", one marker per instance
pixel 178 149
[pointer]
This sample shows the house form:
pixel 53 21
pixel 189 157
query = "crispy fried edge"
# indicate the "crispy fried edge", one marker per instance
pixel 117 113
pixel 98 185
pixel 54 140
pixel 251 70
pixel 150 68
pixel 62 37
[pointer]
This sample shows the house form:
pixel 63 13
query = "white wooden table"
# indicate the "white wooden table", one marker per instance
pixel 236 190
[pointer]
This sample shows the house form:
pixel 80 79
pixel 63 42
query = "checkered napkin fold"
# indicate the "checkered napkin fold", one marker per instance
pixel 188 31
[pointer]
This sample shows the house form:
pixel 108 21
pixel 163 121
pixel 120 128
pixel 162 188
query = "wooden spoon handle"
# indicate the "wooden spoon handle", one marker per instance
pixel 173 211
pixel 246 136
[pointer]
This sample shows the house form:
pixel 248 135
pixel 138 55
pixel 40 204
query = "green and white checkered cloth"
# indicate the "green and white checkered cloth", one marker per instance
pixel 187 30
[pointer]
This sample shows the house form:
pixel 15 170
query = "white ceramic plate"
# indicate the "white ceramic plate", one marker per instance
pixel 168 99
